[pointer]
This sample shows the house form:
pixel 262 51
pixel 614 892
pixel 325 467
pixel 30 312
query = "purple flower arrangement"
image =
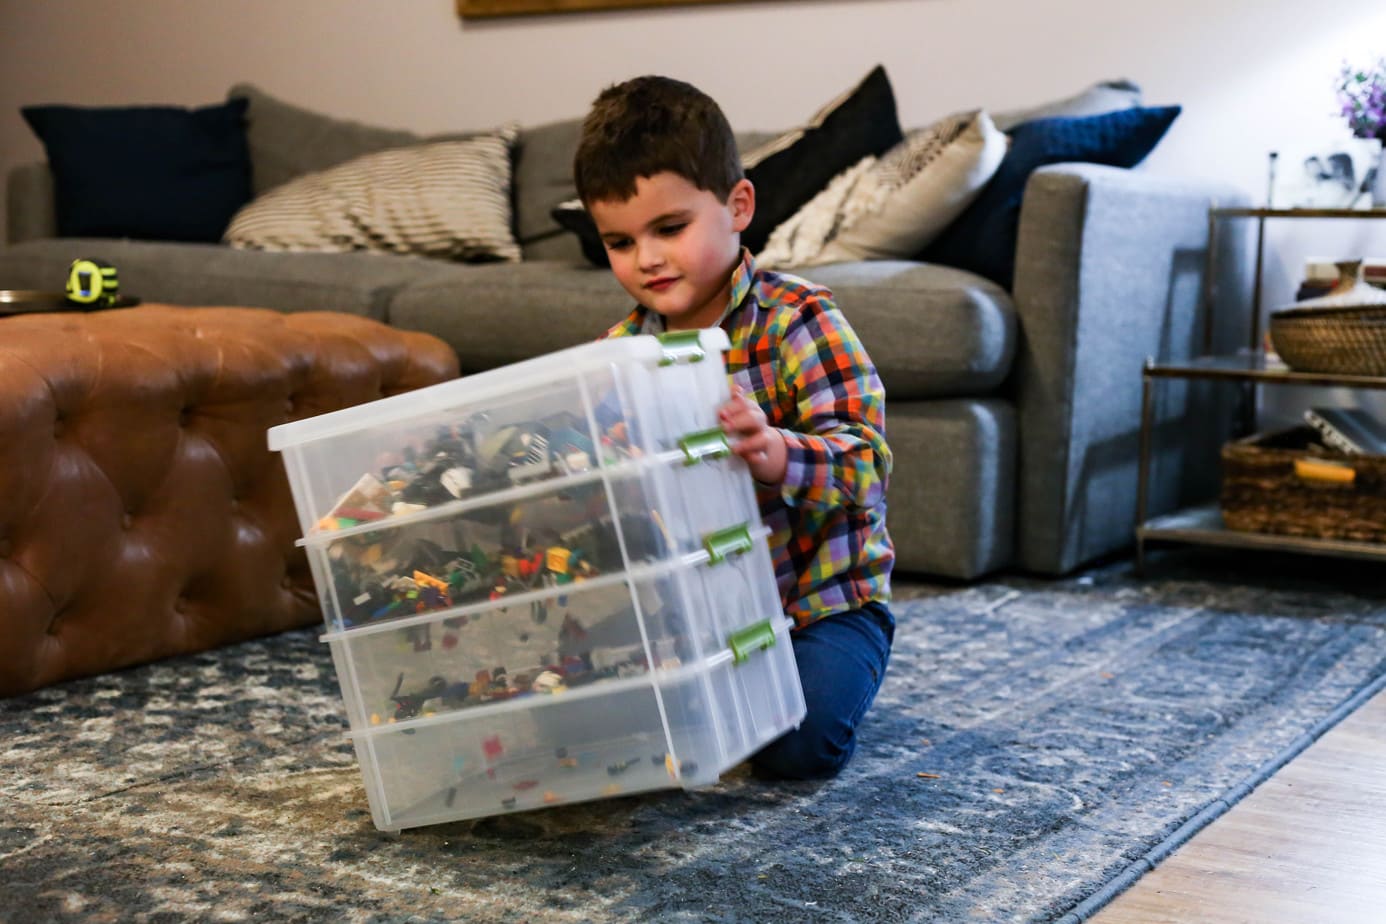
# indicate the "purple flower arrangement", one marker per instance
pixel 1362 93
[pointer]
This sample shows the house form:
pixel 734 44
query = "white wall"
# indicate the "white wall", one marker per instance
pixel 1252 75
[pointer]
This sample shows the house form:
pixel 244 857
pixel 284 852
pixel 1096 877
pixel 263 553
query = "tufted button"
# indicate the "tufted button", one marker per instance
pixel 289 405
pixel 235 503
pixel 181 604
pixel 127 521
pixel 185 416
pixel 288 582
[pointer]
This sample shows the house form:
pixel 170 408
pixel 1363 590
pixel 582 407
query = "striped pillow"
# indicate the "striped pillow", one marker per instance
pixel 448 199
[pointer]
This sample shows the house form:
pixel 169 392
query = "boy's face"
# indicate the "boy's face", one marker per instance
pixel 673 246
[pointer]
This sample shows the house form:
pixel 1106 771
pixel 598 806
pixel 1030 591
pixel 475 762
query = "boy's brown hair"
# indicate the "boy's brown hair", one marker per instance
pixel 650 125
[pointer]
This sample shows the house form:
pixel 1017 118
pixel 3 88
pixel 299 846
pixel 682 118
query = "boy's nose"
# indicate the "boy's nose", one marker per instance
pixel 649 255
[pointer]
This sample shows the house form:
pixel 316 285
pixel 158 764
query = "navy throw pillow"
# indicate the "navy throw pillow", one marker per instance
pixel 150 172
pixel 983 238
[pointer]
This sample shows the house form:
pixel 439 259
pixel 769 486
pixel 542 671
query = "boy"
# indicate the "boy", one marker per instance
pixel 658 169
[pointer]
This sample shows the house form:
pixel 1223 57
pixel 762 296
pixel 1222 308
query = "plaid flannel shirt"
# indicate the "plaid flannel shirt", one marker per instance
pixel 794 353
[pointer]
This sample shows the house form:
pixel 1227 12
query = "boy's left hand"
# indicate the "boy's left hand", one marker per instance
pixel 761 445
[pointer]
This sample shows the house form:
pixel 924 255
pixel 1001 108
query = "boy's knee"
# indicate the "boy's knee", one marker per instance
pixel 809 752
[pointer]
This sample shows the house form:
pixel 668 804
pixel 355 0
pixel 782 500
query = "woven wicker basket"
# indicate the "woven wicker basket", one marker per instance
pixel 1284 482
pixel 1350 340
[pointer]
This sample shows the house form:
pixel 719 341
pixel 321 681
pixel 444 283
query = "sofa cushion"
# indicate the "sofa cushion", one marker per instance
pixel 1095 100
pixel 930 330
pixel 286 141
pixel 889 207
pixel 983 239
pixel 214 274
pixel 544 178
pixel 131 171
pixel 448 199
pixel 493 315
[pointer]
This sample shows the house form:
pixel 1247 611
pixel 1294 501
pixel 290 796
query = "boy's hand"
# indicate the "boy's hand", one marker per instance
pixel 760 445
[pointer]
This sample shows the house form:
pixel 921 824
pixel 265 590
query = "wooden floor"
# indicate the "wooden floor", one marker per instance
pixel 1308 846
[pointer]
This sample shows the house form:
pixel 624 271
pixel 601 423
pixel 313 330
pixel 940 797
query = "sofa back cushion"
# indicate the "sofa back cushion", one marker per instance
pixel 543 179
pixel 1101 97
pixel 287 141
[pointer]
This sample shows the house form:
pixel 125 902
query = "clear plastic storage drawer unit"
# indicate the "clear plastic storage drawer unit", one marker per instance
pixel 545 583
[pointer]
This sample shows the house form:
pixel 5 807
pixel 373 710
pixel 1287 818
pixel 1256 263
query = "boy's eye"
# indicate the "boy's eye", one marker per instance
pixel 672 230
pixel 618 244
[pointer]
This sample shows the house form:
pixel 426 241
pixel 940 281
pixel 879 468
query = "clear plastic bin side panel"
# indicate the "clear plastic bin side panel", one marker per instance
pixel 703 498
pixel 698 738
pixel 741 590
pixel 556 538
pixel 589 748
pixel 674 507
pixel 648 409
pixel 540 649
pixel 767 685
pixel 474 448
pixel 327 596
pixel 731 711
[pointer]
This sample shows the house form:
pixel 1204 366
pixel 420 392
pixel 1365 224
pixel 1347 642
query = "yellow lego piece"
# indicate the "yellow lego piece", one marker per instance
pixel 556 559
pixel 429 580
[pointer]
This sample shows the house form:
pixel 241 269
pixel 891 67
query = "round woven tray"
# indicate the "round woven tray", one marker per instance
pixel 1350 340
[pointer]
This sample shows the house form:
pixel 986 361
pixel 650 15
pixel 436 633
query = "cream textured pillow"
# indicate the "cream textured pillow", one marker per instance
pixel 447 199
pixel 891 207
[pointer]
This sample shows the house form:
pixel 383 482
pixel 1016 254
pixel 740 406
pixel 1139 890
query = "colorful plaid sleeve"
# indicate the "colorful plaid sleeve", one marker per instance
pixel 839 456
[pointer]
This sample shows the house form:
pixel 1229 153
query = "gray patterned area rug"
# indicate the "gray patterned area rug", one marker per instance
pixel 1036 746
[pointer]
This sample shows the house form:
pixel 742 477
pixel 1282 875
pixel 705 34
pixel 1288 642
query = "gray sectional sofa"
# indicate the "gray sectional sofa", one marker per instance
pixel 1013 416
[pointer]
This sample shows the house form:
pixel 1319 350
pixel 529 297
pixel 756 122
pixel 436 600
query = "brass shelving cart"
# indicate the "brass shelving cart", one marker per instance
pixel 1202 525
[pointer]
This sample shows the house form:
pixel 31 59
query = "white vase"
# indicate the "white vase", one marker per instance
pixel 1379 184
pixel 1351 289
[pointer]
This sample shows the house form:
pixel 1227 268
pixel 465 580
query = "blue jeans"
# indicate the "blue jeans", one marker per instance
pixel 842 660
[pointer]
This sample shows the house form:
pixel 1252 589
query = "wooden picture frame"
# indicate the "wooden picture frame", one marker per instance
pixel 485 9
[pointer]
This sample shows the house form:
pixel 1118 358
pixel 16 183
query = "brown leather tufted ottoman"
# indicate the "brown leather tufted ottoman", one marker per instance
pixel 141 513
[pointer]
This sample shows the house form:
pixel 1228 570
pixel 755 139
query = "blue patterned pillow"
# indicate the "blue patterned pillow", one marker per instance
pixel 983 238
pixel 149 172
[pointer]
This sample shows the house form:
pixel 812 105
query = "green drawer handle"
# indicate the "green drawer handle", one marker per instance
pixel 756 637
pixel 681 345
pixel 721 545
pixel 705 444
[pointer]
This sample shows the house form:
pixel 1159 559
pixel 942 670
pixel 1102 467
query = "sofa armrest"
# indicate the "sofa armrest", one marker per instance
pixel 1110 268
pixel 30 212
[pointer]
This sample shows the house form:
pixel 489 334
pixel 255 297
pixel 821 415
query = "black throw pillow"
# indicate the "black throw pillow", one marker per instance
pixel 149 172
pixel 572 216
pixel 792 168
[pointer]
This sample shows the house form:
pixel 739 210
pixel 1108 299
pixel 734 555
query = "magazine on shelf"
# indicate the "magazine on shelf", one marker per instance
pixel 1348 429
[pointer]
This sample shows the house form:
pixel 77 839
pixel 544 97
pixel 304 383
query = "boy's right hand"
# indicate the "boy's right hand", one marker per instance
pixel 753 439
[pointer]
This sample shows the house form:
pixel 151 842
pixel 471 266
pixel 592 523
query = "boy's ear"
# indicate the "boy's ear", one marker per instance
pixel 741 201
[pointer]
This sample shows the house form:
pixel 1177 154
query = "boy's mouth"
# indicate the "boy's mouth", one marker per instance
pixel 660 284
